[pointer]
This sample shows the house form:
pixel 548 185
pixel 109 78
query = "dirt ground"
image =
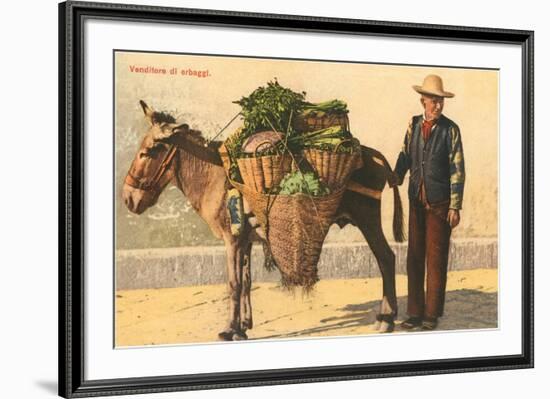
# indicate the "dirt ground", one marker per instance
pixel 336 307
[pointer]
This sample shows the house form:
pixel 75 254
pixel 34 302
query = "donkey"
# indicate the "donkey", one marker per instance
pixel 174 153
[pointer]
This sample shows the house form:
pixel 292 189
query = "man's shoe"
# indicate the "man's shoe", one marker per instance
pixel 429 324
pixel 412 322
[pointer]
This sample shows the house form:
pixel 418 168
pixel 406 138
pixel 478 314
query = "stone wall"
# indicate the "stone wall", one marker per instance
pixel 174 267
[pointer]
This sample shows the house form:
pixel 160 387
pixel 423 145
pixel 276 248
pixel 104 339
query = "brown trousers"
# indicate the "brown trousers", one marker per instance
pixel 428 251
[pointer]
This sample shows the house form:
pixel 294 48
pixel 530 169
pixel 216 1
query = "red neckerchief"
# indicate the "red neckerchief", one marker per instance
pixel 427 128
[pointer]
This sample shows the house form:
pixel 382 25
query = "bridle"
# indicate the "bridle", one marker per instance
pixel 152 183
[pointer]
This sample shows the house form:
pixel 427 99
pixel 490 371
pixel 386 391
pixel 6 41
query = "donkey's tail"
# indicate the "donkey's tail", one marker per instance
pixel 398 226
pixel 398 233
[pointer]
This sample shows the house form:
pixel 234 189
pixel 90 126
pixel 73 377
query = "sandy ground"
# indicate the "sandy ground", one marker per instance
pixel 336 307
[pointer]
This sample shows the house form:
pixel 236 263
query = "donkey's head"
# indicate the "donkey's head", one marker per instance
pixel 151 169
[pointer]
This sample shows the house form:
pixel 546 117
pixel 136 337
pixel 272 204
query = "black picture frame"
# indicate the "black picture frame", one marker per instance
pixel 71 199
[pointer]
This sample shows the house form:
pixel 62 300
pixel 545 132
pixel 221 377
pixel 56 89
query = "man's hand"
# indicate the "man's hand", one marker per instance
pixel 393 179
pixel 453 217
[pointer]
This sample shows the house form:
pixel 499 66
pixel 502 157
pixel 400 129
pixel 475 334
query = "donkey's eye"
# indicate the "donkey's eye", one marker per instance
pixel 152 152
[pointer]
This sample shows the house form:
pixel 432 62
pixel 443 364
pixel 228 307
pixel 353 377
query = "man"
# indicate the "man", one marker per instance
pixel 432 152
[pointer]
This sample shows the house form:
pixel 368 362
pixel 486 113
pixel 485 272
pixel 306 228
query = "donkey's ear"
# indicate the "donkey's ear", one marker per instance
pixel 148 111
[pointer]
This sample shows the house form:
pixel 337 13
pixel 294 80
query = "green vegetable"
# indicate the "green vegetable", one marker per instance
pixel 333 138
pixel 304 183
pixel 270 107
pixel 327 107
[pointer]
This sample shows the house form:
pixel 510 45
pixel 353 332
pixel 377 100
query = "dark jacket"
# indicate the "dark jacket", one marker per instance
pixel 439 162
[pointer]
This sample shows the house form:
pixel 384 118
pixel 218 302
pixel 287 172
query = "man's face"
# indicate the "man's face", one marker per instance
pixel 433 106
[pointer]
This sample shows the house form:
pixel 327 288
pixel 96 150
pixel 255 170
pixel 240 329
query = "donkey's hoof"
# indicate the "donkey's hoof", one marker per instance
pixel 239 336
pixel 386 327
pixel 226 335
pixel 384 323
pixel 232 335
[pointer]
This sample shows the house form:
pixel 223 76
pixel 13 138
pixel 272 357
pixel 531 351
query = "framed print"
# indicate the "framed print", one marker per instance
pixel 252 199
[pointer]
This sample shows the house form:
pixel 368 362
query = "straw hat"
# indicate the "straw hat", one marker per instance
pixel 433 86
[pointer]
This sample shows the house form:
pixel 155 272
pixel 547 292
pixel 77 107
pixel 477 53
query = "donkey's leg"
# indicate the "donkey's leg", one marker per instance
pixel 246 306
pixel 367 214
pixel 235 251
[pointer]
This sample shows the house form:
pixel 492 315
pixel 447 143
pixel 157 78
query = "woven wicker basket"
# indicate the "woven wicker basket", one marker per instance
pixel 304 123
pixel 260 173
pixel 263 173
pixel 295 227
pixel 334 168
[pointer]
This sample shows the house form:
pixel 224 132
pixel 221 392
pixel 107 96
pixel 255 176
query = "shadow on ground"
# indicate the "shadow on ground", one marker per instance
pixel 464 309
